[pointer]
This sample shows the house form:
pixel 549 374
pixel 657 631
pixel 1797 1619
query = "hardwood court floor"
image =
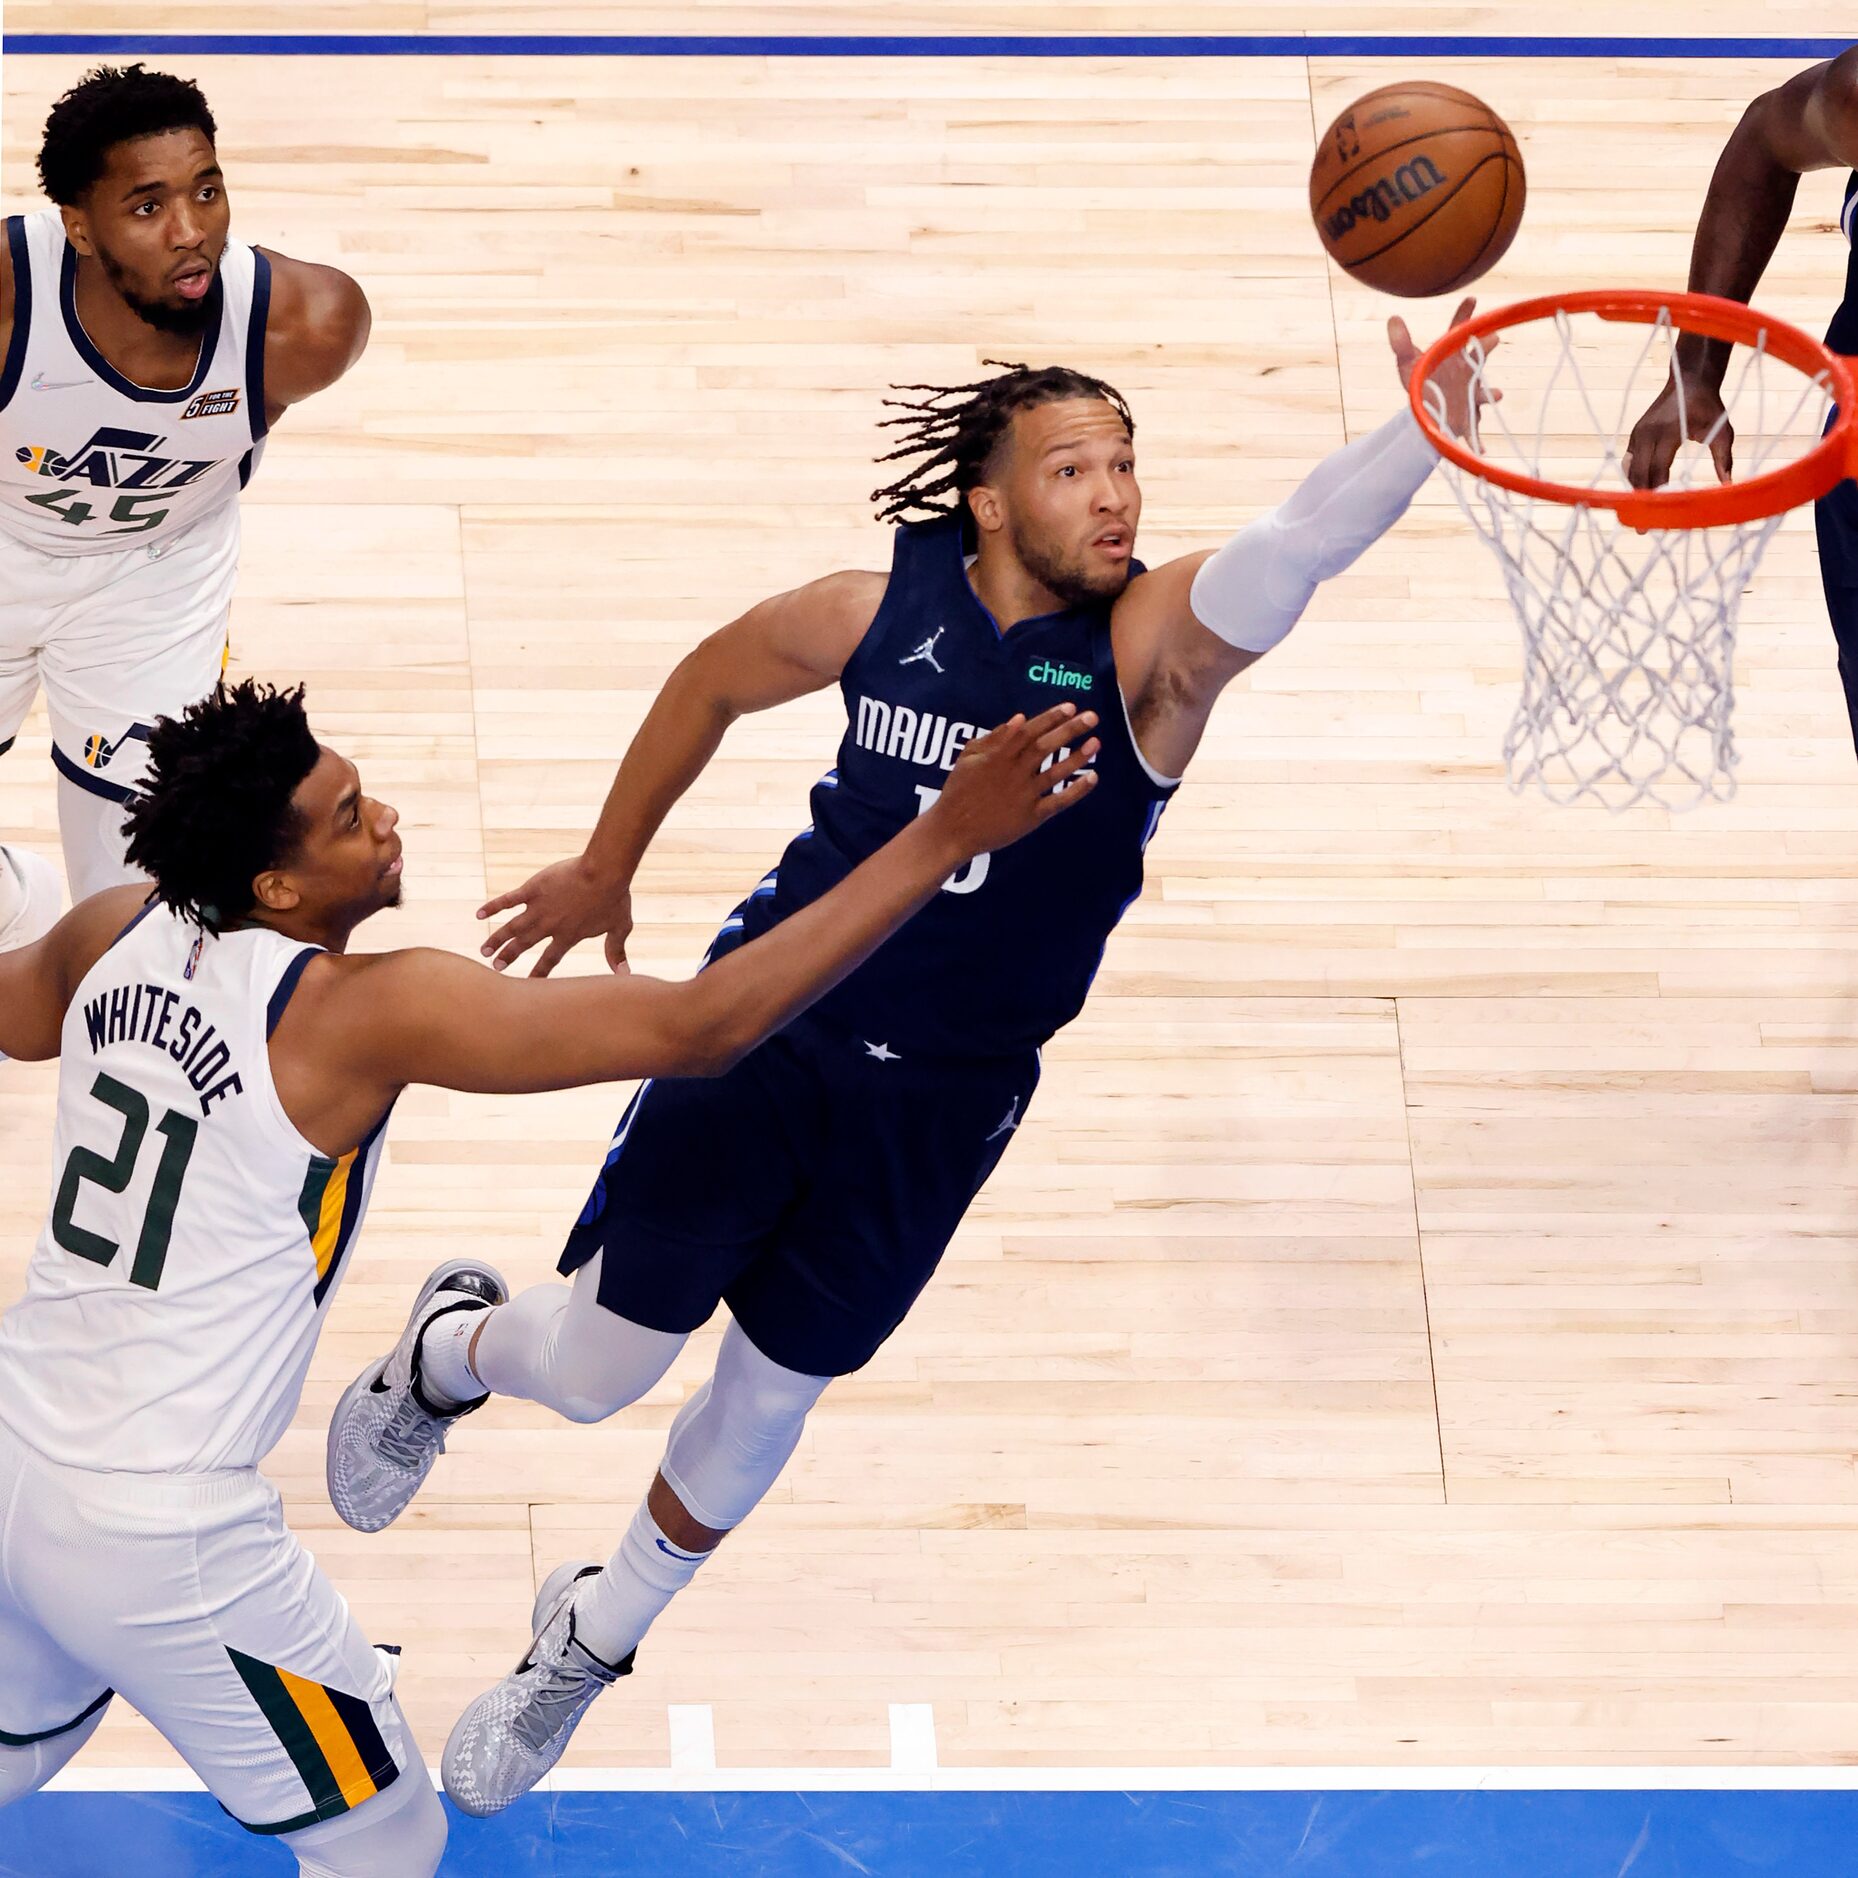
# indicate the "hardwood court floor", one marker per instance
pixel 1419 1320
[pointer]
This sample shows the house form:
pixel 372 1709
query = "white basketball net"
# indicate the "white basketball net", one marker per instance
pixel 1628 636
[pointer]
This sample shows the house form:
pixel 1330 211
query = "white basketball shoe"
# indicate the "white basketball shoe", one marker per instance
pixel 513 1734
pixel 386 1432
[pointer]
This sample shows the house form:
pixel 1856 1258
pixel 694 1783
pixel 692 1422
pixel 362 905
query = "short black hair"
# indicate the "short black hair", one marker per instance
pixel 955 432
pixel 216 809
pixel 113 105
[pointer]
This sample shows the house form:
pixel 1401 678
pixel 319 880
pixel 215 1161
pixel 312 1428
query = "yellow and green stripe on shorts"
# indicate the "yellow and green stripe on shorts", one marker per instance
pixel 330 1736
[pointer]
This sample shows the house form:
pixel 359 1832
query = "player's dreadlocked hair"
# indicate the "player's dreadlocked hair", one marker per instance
pixel 955 431
pixel 110 106
pixel 216 808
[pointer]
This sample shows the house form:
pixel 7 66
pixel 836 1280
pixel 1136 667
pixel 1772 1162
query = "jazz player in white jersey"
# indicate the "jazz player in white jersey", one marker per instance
pixel 144 356
pixel 226 1075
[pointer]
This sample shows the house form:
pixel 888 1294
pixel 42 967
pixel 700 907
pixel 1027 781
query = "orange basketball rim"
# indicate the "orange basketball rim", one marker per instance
pixel 1808 477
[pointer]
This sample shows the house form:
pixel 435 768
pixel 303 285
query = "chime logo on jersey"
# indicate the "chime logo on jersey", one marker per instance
pixel 213 404
pixel 1045 673
pixel 114 459
pixel 98 750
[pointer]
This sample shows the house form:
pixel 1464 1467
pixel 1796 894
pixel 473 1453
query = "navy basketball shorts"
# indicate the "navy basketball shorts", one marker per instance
pixel 813 1189
pixel 1835 517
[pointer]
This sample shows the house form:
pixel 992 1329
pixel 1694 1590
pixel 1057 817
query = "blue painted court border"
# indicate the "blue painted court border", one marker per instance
pixel 911 46
pixel 1351 1834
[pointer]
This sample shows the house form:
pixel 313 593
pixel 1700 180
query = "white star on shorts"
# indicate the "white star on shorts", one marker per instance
pixel 883 1052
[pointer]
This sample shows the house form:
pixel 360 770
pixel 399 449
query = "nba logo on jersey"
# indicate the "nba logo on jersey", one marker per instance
pixel 98 750
pixel 193 957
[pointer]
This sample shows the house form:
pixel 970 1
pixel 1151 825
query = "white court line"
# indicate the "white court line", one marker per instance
pixel 123 1780
pixel 1099 1779
pixel 912 1738
pixel 693 1740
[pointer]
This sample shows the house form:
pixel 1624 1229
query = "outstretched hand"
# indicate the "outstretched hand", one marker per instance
pixel 1003 786
pixel 563 904
pixel 1006 783
pixel 1460 379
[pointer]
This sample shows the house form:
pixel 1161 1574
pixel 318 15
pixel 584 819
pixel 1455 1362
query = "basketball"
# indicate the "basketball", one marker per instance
pixel 1417 189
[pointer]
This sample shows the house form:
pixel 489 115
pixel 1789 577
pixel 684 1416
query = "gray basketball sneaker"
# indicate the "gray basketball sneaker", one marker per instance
pixel 385 1433
pixel 513 1734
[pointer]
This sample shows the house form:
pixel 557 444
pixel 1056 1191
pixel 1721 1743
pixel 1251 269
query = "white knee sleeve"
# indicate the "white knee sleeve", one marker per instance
pixel 26 1770
pixel 733 1437
pixel 727 1448
pixel 91 827
pixel 560 1346
pixel 399 1833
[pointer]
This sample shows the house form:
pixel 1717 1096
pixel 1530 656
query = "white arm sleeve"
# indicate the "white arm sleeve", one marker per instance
pixel 1255 588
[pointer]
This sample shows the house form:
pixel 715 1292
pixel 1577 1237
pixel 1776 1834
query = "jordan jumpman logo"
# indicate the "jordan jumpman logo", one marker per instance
pixel 1008 1122
pixel 925 653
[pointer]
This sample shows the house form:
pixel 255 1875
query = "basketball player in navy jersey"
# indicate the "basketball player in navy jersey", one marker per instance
pixel 1809 123
pixel 144 356
pixel 814 1188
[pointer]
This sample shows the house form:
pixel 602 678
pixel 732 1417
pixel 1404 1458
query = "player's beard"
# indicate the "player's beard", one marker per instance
pixel 1071 581
pixel 188 320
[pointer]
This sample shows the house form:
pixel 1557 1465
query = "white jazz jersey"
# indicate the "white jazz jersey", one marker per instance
pixel 195 1238
pixel 91 462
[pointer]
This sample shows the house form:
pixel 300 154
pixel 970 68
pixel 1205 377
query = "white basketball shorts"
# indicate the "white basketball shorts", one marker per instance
pixel 189 1596
pixel 117 640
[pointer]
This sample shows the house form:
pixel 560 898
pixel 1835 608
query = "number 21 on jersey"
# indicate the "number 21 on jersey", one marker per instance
pixel 85 1165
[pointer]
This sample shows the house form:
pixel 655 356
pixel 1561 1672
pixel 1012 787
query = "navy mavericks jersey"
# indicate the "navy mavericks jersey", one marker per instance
pixel 1842 336
pixel 1003 956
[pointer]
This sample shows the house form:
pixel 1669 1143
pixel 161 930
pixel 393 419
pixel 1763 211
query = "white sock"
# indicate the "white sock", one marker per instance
pixel 12 889
pixel 91 829
pixel 12 901
pixel 31 897
pixel 612 1612
pixel 444 1353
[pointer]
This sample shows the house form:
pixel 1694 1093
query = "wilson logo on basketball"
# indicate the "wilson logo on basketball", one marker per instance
pixel 1382 200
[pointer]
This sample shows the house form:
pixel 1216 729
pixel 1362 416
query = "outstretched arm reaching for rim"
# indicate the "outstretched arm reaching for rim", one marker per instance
pixel 1184 632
